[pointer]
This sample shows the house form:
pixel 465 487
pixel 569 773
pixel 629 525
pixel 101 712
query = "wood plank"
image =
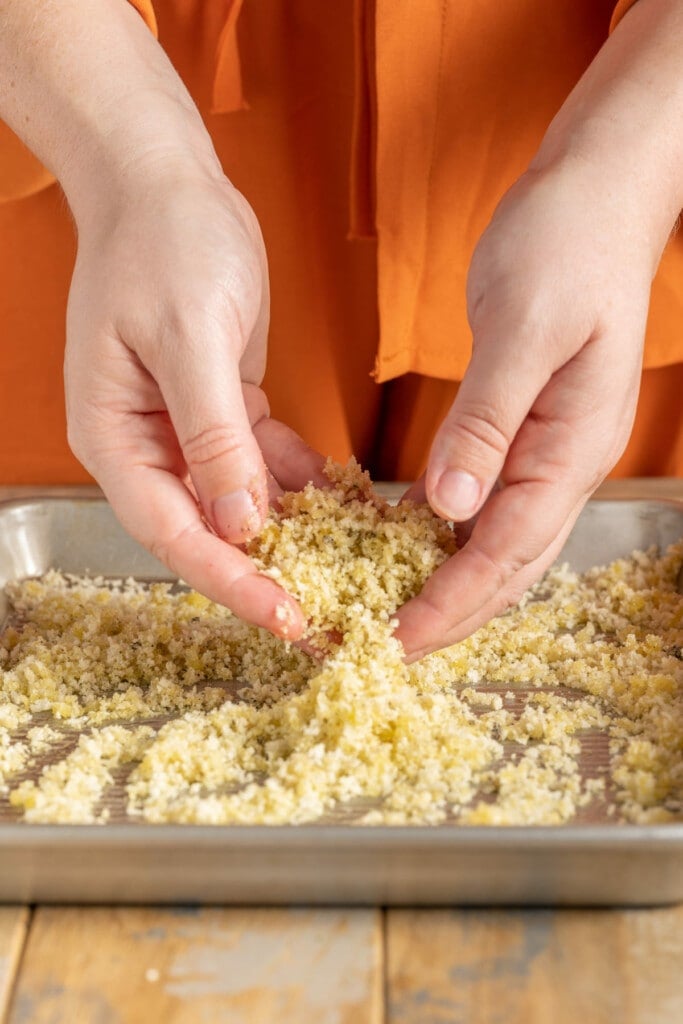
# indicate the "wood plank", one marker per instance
pixel 188 965
pixel 13 928
pixel 535 966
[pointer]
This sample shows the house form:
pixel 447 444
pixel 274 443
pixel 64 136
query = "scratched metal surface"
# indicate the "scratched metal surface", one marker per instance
pixel 80 534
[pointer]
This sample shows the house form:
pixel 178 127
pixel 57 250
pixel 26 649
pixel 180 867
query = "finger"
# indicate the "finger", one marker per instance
pixel 576 431
pixel 425 624
pixel 291 461
pixel 275 492
pixel 253 361
pixel 155 508
pixel 470 448
pixel 257 409
pixel 416 492
pixel 203 391
pixel 319 647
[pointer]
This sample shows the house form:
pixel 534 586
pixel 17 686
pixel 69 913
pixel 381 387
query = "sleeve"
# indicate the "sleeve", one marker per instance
pixel 21 174
pixel 619 11
pixel 145 9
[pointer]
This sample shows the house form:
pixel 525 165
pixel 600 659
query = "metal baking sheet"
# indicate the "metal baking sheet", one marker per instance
pixel 591 861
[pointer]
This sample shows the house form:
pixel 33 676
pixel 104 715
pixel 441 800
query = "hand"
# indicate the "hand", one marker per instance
pixel 558 294
pixel 168 311
pixel 166 347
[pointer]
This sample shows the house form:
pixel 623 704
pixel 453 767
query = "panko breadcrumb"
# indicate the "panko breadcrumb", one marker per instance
pixel 197 717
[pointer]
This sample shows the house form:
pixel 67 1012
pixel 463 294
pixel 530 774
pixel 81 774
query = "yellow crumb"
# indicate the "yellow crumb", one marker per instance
pixel 209 720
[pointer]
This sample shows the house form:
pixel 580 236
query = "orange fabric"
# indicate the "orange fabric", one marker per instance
pixel 37 243
pixel 464 95
pixel 363 177
pixel 443 102
pixel 227 85
pixel 147 11
pixel 414 406
pixel 656 445
pixel 619 11
pixel 21 174
pixel 290 154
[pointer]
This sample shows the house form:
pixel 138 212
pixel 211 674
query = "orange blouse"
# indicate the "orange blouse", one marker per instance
pixel 452 100
pixel 374 140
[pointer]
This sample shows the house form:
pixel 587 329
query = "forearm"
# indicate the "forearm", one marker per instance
pixel 91 92
pixel 624 119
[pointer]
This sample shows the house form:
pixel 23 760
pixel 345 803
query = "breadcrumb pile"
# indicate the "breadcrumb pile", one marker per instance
pixel 118 698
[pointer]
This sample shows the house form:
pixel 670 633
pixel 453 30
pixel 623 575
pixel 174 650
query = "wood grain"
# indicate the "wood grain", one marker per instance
pixel 535 966
pixel 13 927
pixel 189 966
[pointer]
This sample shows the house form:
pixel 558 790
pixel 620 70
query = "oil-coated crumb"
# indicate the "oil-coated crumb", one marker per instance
pixel 209 720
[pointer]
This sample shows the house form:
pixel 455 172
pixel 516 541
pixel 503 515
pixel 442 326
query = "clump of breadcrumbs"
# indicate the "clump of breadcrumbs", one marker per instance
pixel 347 555
pixel 158 699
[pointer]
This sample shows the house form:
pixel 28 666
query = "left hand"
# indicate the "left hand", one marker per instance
pixel 557 295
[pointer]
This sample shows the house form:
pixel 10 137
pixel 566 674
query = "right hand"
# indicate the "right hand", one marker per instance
pixel 166 347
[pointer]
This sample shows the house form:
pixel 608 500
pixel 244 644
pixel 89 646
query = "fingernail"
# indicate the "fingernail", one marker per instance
pixel 457 494
pixel 235 516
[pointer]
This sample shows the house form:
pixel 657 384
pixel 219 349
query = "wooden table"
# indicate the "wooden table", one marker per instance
pixel 190 965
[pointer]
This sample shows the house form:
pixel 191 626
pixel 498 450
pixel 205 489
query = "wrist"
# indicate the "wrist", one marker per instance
pixel 620 127
pixel 90 91
pixel 150 149
pixel 625 180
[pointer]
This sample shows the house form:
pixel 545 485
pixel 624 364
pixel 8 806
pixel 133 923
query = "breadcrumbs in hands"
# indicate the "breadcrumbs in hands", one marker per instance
pixel 345 552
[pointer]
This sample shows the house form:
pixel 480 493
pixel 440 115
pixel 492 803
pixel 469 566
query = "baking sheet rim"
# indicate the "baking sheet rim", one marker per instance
pixel 619 835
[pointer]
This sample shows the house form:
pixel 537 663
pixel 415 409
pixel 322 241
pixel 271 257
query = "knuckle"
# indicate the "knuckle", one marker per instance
pixel 505 310
pixel 256 403
pixel 84 444
pixel 74 439
pixel 190 326
pixel 205 317
pixel 530 319
pixel 242 283
pixel 247 217
pixel 595 478
pixel 211 445
pixel 165 547
pixel 499 571
pixel 438 614
pixel 162 549
pixel 513 595
pixel 477 427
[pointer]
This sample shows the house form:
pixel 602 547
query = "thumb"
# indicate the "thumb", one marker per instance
pixel 472 443
pixel 207 410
